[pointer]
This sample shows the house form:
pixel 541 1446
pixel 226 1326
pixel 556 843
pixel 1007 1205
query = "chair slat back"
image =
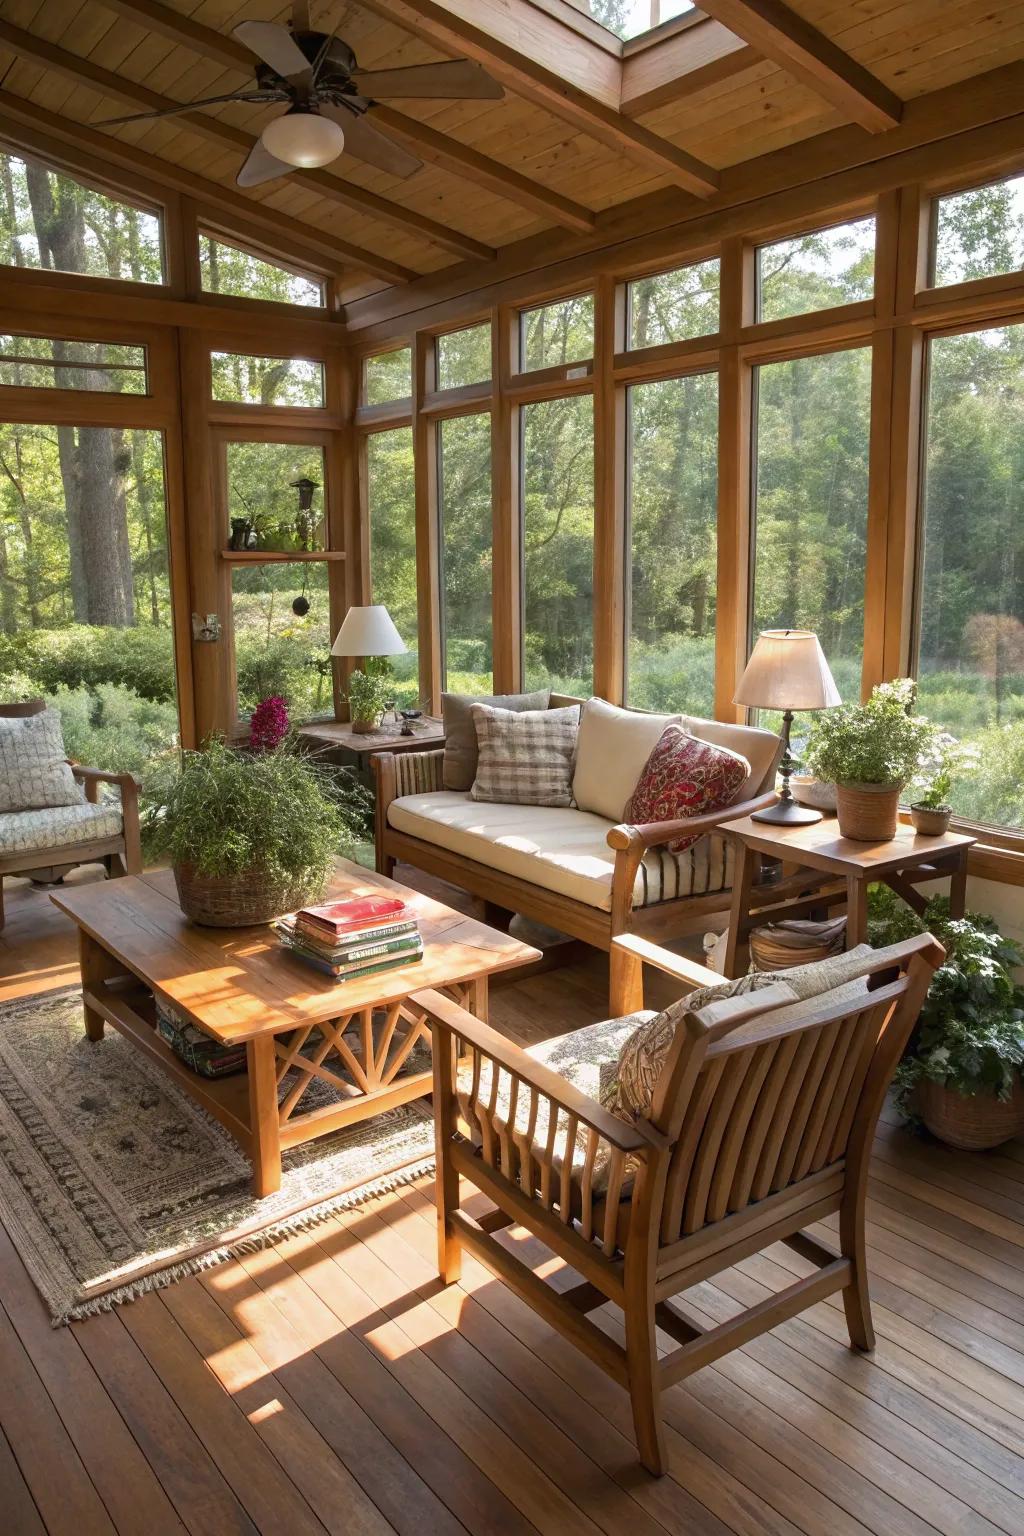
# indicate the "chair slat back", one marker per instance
pixel 773 1102
pixel 23 709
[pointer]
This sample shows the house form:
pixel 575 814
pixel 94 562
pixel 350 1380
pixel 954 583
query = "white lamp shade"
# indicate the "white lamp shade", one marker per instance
pixel 303 138
pixel 787 670
pixel 368 632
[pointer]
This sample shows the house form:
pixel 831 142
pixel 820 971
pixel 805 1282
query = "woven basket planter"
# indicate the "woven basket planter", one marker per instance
pixel 235 901
pixel 868 812
pixel 974 1122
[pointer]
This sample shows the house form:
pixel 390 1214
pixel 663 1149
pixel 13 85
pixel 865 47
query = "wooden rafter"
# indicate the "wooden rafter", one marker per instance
pixel 437 148
pixel 29 128
pixel 535 62
pixel 681 65
pixel 118 87
pixel 805 53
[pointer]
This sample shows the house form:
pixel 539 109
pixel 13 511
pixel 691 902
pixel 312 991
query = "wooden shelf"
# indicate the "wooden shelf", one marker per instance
pixel 279 556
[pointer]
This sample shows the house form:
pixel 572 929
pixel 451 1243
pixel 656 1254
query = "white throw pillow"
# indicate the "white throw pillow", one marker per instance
pixel 34 773
pixel 611 752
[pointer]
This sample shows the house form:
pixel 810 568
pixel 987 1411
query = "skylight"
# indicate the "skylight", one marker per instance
pixel 632 18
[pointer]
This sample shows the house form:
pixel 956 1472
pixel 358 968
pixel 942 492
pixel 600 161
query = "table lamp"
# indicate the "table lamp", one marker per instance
pixel 787 670
pixel 368 631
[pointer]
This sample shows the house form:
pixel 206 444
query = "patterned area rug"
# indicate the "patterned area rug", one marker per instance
pixel 114 1182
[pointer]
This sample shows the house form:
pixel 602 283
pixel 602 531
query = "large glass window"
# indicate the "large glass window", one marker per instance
pixel 391 497
pixel 85 592
pixel 51 221
pixel 228 269
pixel 811 503
pixel 674 306
pixel 238 376
pixel 979 233
pixel 464 469
pixel 281 619
pixel 262 493
pixel 557 333
pixel 387 377
pixel 673 488
pixel 46 362
pixel 816 271
pixel 557 474
pixel 971 595
pixel 464 357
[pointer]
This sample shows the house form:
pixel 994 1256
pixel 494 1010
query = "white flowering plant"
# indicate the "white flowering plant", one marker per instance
pixel 879 742
pixel 940 766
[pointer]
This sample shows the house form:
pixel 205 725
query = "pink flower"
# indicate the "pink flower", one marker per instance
pixel 269 724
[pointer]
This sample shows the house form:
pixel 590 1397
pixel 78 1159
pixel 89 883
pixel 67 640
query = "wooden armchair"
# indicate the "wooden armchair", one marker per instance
pixel 761 1124
pixel 29 845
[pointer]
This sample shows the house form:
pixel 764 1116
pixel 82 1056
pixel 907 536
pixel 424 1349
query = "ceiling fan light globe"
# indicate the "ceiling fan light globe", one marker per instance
pixel 303 139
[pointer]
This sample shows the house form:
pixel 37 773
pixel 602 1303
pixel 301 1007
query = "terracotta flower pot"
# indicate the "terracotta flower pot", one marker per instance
pixel 364 727
pixel 929 820
pixel 970 1122
pixel 868 812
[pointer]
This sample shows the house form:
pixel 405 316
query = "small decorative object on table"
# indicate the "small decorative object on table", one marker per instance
pixel 787 670
pixel 931 811
pixel 348 939
pixel 870 751
pixel 409 716
pixel 370 633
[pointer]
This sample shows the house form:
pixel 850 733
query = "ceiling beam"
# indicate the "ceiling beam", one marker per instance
pixel 119 88
pixel 810 57
pixel 436 148
pixel 681 65
pixel 543 61
pixel 29 128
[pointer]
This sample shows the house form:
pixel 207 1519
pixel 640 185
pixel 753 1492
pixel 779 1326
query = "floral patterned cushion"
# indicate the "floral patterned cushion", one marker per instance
pixel 59 826
pixel 685 776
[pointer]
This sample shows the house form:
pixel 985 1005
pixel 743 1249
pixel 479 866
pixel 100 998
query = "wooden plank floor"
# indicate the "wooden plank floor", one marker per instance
pixel 329 1384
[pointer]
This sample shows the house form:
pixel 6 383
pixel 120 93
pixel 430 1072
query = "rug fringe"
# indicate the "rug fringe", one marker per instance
pixel 254 1243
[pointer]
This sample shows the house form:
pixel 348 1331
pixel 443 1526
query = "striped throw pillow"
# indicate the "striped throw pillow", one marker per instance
pixel 525 758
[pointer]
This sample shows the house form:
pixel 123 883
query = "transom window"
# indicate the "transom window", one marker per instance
pixel 48 362
pixel 674 306
pixel 464 357
pixel 556 334
pixel 978 233
pixel 228 269
pixel 240 377
pixel 387 377
pixel 816 271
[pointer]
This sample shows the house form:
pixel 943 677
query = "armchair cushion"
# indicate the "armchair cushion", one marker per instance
pixel 612 748
pixel 460 744
pixel 685 776
pixel 33 767
pixel 59 826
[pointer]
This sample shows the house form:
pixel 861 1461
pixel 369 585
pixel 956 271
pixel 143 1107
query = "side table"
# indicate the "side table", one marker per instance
pixel 900 863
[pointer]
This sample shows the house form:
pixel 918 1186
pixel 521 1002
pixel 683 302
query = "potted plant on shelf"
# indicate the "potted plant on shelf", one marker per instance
pixel 870 751
pixel 368 694
pixel 931 811
pixel 961 1074
pixel 249 834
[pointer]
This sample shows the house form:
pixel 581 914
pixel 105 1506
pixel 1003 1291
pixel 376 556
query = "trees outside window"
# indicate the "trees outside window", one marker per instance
pixel 391 504
pixel 557 333
pixel 816 271
pixel 250 380
pixel 464 357
pixel 674 306
pixel 464 470
pixel 50 221
pixel 673 490
pixel 228 269
pixel 557 495
pixel 387 377
pixel 979 233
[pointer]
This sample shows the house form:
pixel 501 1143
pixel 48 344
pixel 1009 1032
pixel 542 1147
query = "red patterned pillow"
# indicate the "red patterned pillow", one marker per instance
pixel 685 776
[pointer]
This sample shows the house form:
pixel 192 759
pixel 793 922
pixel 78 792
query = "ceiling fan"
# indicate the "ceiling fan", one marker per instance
pixel 328 99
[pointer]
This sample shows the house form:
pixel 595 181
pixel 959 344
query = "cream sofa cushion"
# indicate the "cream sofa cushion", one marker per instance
pixel 757 745
pixel 58 826
pixel 612 747
pixel 558 849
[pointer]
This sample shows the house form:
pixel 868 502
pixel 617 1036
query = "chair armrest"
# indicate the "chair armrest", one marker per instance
pixel 656 833
pixel 488 1042
pixel 678 966
pixel 92 778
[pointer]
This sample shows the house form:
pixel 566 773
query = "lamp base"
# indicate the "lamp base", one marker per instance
pixel 787 814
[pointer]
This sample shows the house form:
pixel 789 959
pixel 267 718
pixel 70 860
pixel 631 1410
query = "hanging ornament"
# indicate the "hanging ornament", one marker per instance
pixel 300 606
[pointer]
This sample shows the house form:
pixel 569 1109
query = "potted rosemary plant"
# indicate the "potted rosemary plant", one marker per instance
pixel 249 834
pixel 870 751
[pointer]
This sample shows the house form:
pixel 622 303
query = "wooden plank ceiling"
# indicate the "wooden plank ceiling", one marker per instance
pixel 580 130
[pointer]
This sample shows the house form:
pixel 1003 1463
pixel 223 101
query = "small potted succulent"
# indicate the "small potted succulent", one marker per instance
pixel 368 694
pixel 931 811
pixel 870 751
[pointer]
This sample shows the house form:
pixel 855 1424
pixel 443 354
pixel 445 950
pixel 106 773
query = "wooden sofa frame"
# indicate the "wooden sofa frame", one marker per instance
pixel 756 1131
pixel 121 855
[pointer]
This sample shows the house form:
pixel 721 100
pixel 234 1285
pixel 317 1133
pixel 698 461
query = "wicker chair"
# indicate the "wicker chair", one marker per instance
pixel 98 832
pixel 761 1124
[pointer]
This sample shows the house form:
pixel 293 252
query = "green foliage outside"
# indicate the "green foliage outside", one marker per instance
pixel 970 1033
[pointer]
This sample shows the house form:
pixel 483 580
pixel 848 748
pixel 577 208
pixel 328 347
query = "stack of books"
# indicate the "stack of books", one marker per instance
pixel 197 1050
pixel 355 938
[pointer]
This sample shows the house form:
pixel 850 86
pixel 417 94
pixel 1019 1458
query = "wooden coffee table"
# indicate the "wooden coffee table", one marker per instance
pixel 239 984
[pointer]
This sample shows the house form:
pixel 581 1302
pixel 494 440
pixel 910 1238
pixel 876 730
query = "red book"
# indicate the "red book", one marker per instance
pixel 339 917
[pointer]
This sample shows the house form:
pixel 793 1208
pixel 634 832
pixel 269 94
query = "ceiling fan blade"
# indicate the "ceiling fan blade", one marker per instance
pixel 453 79
pixel 367 143
pixel 274 45
pixel 182 106
pixel 261 166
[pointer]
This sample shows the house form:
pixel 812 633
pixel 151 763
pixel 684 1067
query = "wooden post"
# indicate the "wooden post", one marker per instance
pixel 264 1123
